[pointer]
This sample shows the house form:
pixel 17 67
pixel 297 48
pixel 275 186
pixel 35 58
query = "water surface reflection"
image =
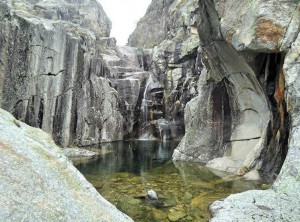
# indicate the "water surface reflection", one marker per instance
pixel 129 156
pixel 128 169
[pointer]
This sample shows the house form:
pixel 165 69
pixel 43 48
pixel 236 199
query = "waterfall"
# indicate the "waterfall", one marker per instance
pixel 144 112
pixel 163 127
pixel 153 125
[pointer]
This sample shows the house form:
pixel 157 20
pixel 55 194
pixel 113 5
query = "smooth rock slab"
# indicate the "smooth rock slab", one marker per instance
pixel 256 205
pixel 78 152
pixel 39 183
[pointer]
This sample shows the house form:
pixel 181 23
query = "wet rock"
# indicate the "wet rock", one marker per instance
pixel 279 202
pixel 158 215
pixel 240 115
pixel 225 163
pixel 252 175
pixel 242 171
pixel 288 179
pixel 172 58
pixel 45 180
pixel 152 194
pixel 215 130
pixel 171 201
pixel 98 90
pixel 79 152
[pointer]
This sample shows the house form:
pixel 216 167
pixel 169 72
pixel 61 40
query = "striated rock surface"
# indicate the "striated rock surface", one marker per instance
pixel 84 13
pixel 38 183
pixel 241 109
pixel 169 32
pixel 69 78
pixel 51 70
pixel 270 45
pixel 165 19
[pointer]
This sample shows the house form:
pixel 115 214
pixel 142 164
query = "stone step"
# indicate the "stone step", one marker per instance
pixel 126 69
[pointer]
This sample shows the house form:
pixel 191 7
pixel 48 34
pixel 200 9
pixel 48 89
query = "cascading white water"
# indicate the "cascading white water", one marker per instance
pixel 163 126
pixel 144 109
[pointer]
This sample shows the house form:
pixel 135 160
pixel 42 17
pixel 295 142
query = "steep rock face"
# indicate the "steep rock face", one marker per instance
pixel 269 48
pixel 50 70
pixel 85 13
pixel 38 183
pixel 281 202
pixel 123 66
pixel 70 79
pixel 150 30
pixel 241 109
pixel 264 26
pixel 165 19
pixel 169 27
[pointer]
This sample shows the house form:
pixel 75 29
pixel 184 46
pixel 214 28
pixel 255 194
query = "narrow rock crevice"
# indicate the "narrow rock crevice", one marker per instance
pixel 272 79
pixel 254 138
pixel 53 74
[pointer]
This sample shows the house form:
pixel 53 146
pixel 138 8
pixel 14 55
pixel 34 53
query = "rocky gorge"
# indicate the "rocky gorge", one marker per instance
pixel 224 84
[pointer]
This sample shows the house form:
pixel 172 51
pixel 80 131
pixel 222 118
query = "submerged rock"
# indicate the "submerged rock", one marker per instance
pixel 38 182
pixel 175 215
pixel 152 194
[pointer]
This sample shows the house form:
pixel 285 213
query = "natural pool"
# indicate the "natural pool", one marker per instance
pixel 125 171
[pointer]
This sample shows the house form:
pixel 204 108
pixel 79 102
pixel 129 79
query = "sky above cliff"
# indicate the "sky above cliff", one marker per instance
pixel 124 15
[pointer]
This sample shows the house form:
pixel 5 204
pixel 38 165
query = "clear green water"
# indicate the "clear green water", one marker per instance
pixel 127 170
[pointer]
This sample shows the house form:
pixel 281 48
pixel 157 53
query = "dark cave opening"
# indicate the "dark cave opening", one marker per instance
pixel 271 77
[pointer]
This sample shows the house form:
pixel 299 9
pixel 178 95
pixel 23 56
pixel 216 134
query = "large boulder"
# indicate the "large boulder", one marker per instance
pixel 39 183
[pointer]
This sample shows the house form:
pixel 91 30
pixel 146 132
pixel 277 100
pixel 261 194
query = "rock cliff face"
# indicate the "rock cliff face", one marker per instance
pixel 233 93
pixel 246 114
pixel 165 19
pixel 38 183
pixel 241 120
pixel 169 32
pixel 60 71
pixel 51 71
